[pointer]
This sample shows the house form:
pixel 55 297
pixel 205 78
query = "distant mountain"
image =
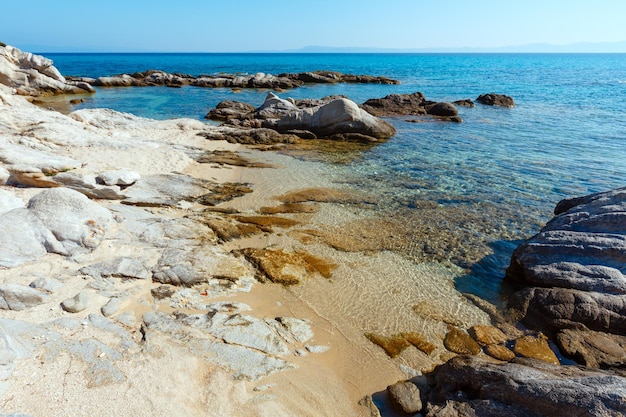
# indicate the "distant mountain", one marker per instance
pixel 581 47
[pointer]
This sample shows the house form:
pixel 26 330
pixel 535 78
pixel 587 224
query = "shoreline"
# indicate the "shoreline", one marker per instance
pixel 204 268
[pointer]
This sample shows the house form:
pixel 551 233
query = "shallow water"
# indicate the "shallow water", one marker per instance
pixel 463 194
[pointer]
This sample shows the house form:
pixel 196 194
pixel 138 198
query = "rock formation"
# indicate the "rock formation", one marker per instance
pixel 34 75
pixel 414 104
pixel 259 80
pixel 573 272
pixel 332 117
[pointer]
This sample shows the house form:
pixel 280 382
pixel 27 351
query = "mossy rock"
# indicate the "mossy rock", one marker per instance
pixel 458 341
pixel 393 345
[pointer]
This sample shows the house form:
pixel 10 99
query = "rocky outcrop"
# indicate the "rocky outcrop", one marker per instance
pixel 470 386
pixel 339 117
pixel 414 104
pixel 493 99
pixel 259 80
pixel 573 272
pixel 280 120
pixel 34 75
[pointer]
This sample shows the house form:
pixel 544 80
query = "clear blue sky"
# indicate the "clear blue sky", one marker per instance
pixel 239 26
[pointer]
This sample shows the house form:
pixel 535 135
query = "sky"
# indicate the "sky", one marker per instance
pixel 280 25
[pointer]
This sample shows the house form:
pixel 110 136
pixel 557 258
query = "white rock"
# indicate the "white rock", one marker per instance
pixel 34 74
pixel 77 222
pixel 20 297
pixel 25 238
pixel 8 201
pixel 121 177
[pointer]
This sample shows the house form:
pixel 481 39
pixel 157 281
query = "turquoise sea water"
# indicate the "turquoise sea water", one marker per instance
pixel 565 137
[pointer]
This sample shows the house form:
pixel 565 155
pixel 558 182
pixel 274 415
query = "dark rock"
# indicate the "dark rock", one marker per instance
pixel 471 386
pixel 396 105
pixel 262 136
pixel 230 109
pixel 442 109
pixel 493 99
pixel 465 103
pixel 593 349
pixel 574 270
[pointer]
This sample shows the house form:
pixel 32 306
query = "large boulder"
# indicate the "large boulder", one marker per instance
pixel 472 386
pixel 78 223
pixel 573 272
pixel 35 75
pixel 338 117
pixel 24 238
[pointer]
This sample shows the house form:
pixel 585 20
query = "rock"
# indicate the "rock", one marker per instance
pixel 85 183
pixel 19 297
pixel 111 307
pixel 119 177
pixel 274 107
pixel 222 157
pixel 471 386
pixel 246 345
pixel 574 269
pixel 460 342
pixel 8 201
pixel 368 403
pixel 299 329
pixel 25 238
pixel 442 109
pixel 34 75
pixel 258 80
pixel 405 396
pixel 464 103
pixel 166 189
pixel 340 116
pixel 31 167
pixel 45 284
pixel 487 335
pixel 78 223
pixel 493 99
pixel 392 345
pixel 191 266
pixel 122 267
pixel 230 109
pixel 593 349
pixel 77 303
pixel 4 175
pixel 247 136
pixel 535 348
pixel 396 105
pixel 286 268
pixel 499 352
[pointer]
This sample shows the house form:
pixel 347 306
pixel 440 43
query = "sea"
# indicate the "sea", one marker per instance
pixel 460 193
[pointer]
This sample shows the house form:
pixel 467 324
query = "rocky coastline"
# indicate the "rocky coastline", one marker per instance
pixel 131 283
pixel 283 81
